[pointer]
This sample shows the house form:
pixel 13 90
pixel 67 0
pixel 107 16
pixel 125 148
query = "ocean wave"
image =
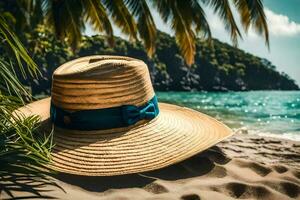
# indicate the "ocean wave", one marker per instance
pixel 295 136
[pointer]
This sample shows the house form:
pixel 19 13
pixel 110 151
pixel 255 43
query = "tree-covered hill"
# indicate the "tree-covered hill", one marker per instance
pixel 218 66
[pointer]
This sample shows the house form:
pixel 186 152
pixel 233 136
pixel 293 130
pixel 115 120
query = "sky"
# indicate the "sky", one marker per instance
pixel 283 18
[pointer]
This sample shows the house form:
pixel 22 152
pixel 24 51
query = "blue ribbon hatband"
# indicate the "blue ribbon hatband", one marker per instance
pixel 99 119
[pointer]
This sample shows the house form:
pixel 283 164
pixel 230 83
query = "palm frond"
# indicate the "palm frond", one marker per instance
pixel 34 12
pixel 199 19
pixel 252 13
pixel 21 144
pixel 24 152
pixel 122 17
pixel 9 38
pixel 9 103
pixel 181 16
pixel 95 13
pixel 187 19
pixel 222 7
pixel 66 19
pixel 184 34
pixel 145 23
pixel 9 82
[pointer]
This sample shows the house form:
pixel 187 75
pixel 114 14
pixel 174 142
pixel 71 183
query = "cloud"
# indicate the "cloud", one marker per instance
pixel 278 24
pixel 281 25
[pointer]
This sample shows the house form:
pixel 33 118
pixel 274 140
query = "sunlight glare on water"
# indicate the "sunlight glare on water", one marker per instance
pixel 276 113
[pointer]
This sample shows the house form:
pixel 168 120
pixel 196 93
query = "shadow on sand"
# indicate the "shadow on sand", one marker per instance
pixel 37 186
pixel 26 186
pixel 197 165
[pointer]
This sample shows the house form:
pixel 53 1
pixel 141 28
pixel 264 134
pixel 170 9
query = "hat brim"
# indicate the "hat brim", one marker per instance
pixel 176 134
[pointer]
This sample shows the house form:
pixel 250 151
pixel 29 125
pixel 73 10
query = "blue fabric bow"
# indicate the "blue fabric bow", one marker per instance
pixel 107 118
pixel 133 114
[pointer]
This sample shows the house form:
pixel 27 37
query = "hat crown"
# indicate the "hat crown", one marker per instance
pixel 96 82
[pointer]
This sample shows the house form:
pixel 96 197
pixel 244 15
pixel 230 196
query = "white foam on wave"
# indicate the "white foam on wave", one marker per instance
pixel 290 136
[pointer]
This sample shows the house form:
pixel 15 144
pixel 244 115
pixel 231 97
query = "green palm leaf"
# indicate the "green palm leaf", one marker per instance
pixel 184 34
pixel 222 7
pixel 145 23
pixel 122 17
pixel 252 13
pixel 9 82
pixel 199 19
pixel 66 19
pixel 10 39
pixel 23 152
pixel 95 13
pixel 187 18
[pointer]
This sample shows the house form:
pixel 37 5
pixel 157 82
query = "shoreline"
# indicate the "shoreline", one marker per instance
pixel 242 166
pixel 293 137
pixel 263 149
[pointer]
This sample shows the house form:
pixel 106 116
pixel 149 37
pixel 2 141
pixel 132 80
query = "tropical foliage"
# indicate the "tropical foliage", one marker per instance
pixel 22 150
pixel 13 47
pixel 68 19
pixel 218 66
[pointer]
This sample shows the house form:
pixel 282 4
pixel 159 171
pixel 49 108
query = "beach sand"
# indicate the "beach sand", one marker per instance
pixel 243 166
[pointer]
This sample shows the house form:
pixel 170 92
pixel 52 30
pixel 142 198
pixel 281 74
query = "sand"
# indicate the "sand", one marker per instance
pixel 243 166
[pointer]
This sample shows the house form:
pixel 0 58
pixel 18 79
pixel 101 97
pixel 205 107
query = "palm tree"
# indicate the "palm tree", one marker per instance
pixel 187 19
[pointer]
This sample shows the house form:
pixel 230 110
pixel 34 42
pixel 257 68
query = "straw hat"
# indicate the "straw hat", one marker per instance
pixel 90 141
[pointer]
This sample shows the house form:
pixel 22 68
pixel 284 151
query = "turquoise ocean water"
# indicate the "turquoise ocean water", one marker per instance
pixel 273 113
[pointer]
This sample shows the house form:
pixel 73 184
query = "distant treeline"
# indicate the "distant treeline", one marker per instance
pixel 218 66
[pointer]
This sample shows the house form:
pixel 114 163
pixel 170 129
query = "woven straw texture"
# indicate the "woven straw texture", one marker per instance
pixel 174 135
pixel 96 82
